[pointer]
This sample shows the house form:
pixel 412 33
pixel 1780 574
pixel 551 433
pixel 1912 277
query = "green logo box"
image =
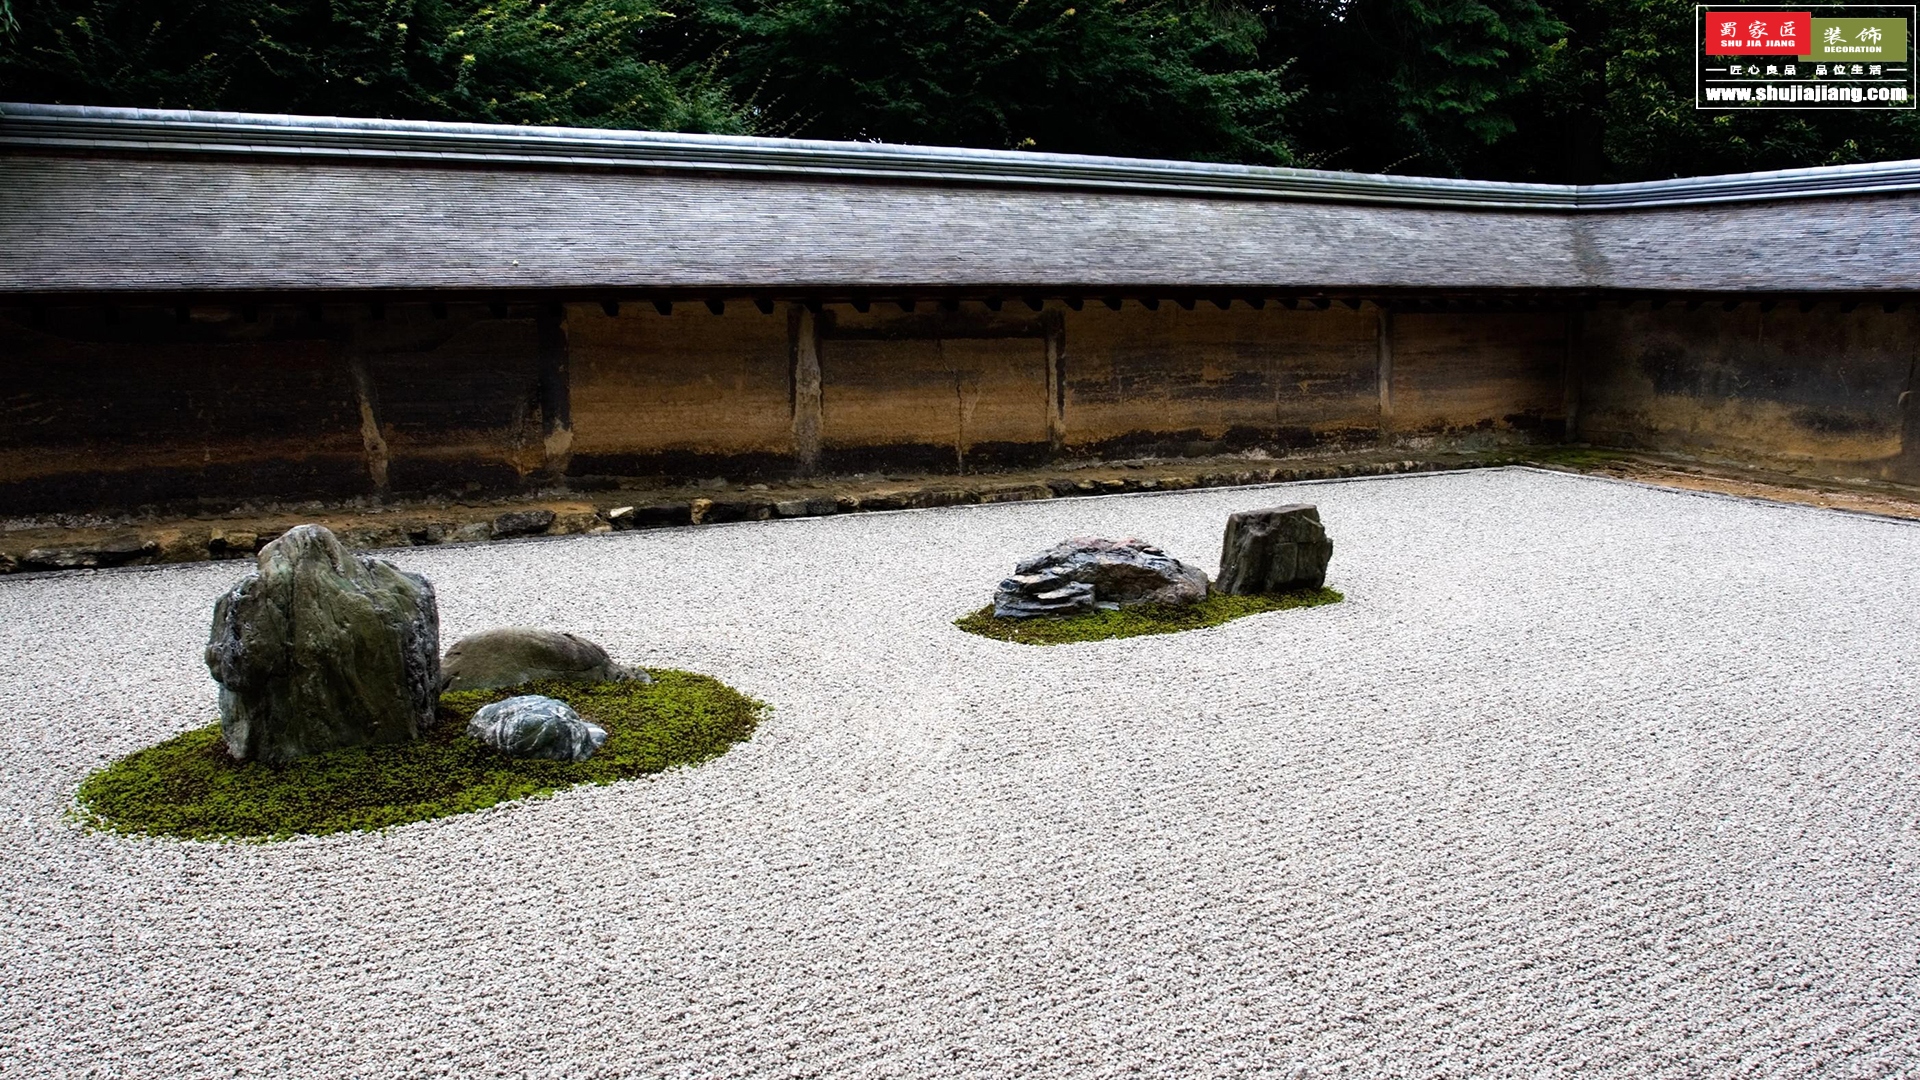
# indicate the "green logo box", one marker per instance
pixel 1857 41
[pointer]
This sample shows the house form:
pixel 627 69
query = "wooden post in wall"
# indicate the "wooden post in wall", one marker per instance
pixel 1056 381
pixel 371 440
pixel 556 389
pixel 1386 371
pixel 803 336
pixel 354 339
pixel 1570 373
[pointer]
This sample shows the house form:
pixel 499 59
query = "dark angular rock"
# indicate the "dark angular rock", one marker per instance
pixel 1025 596
pixel 512 655
pixel 721 510
pixel 322 649
pixel 1275 550
pixel 539 727
pixel 521 523
pixel 814 507
pixel 1123 573
pixel 115 551
pixel 660 515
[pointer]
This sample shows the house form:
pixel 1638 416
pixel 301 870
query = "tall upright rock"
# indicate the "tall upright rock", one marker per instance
pixel 322 649
pixel 1275 550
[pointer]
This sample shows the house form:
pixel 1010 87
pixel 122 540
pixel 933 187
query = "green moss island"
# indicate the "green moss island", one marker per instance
pixel 190 788
pixel 1140 620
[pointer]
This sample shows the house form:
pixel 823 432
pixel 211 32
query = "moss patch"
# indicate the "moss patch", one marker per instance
pixel 189 787
pixel 1136 621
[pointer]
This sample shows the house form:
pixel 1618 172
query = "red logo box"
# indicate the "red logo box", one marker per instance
pixel 1759 33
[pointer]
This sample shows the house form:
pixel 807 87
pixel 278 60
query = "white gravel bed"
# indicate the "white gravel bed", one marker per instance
pixel 1582 778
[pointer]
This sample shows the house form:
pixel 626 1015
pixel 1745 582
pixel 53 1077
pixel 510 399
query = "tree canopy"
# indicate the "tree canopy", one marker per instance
pixel 1579 91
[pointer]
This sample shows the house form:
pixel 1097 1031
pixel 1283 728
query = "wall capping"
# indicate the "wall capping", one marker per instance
pixel 28 127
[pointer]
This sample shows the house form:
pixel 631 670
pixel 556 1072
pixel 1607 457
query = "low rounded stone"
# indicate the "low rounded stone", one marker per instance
pixel 513 655
pixel 536 726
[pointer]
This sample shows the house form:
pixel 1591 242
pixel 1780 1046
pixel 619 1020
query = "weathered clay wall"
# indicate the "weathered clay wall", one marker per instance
pixel 1823 390
pixel 107 407
pixel 932 388
pixel 1455 372
pixel 128 405
pixel 1204 380
pixel 685 391
pixel 122 406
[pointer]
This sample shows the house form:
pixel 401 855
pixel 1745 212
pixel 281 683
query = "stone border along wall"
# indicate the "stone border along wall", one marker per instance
pixel 119 406
pixel 363 528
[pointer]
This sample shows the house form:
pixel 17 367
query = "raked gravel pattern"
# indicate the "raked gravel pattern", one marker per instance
pixel 1582 778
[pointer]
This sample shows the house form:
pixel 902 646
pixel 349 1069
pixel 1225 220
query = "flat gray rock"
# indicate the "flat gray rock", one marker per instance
pixel 513 655
pixel 1279 549
pixel 1025 596
pixel 1084 572
pixel 116 551
pixel 537 727
pixel 322 649
pixel 521 523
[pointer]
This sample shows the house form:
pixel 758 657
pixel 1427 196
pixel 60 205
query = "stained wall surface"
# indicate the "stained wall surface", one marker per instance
pixel 655 393
pixel 1204 380
pixel 1822 390
pixel 943 389
pixel 123 405
pixel 1485 370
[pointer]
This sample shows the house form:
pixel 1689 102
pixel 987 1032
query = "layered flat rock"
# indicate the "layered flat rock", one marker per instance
pixel 1026 596
pixel 1279 549
pixel 515 523
pixel 1085 572
pixel 514 655
pixel 322 649
pixel 537 727
pixel 115 551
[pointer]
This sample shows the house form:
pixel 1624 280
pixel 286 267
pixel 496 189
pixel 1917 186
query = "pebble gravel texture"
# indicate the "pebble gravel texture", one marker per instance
pixel 1582 778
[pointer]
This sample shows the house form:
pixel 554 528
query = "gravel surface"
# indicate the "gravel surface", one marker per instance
pixel 1584 777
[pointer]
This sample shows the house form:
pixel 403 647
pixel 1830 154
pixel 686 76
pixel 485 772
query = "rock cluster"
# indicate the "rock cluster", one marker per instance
pixel 539 727
pixel 1086 572
pixel 322 649
pixel 1274 550
pixel 512 655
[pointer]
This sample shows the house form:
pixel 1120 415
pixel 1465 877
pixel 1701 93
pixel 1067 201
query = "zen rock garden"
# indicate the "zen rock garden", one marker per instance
pixel 324 649
pixel 1278 550
pixel 338 711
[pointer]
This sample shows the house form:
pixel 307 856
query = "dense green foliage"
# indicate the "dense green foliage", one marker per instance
pixel 1413 85
pixel 1137 621
pixel 189 787
pixel 1554 90
pixel 567 62
pixel 1168 78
